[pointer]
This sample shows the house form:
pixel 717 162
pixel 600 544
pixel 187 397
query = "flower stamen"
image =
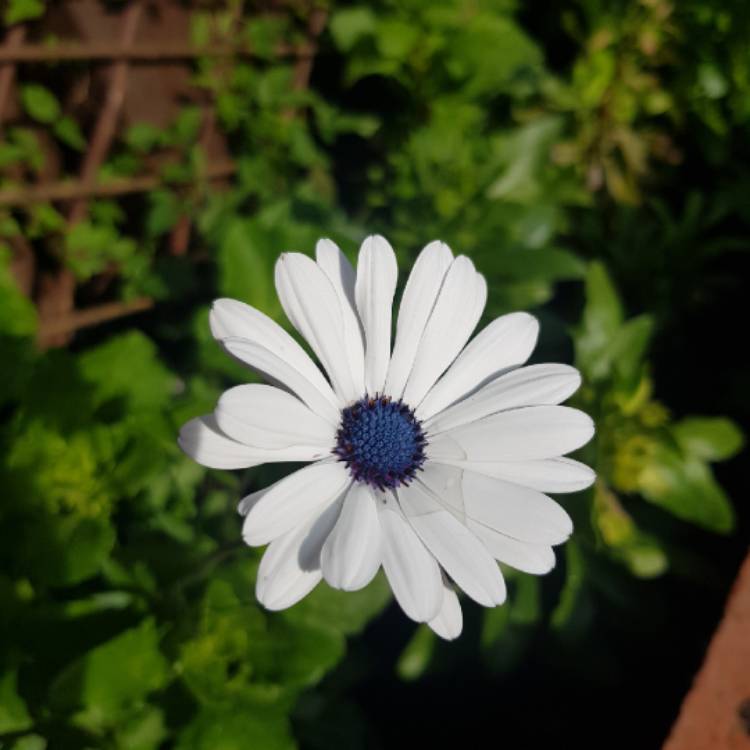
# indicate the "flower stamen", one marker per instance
pixel 381 442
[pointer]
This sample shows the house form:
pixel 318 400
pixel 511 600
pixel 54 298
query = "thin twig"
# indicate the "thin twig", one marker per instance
pixel 73 321
pixel 143 52
pixel 106 123
pixel 73 189
pixel 13 40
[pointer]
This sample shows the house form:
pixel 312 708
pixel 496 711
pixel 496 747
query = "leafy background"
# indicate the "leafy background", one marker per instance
pixel 592 160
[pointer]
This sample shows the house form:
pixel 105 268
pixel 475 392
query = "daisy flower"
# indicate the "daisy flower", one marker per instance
pixel 430 459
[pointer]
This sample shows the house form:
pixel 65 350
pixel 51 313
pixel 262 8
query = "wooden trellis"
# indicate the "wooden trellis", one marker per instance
pixel 130 40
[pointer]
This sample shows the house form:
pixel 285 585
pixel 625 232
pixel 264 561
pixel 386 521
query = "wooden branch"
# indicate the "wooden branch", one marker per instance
pixel 74 189
pixel 12 42
pixel 61 52
pixel 57 298
pixel 65 325
pixel 106 123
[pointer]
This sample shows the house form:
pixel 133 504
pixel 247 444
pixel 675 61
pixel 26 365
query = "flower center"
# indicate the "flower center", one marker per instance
pixel 381 442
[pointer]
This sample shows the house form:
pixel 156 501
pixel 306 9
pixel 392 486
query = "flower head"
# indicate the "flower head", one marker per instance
pixel 430 459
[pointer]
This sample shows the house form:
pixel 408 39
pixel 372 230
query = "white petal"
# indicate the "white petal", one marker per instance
pixel 457 311
pixel 377 273
pixel 463 557
pixel 294 500
pixel 420 293
pixel 411 570
pixel 268 417
pixel 537 559
pixel 343 278
pixel 515 511
pixel 230 318
pixel 278 370
pixel 310 302
pixel 520 434
pixel 528 386
pixel 543 474
pixel 290 567
pixel 444 483
pixel 449 621
pixel 505 343
pixel 205 443
pixel 351 556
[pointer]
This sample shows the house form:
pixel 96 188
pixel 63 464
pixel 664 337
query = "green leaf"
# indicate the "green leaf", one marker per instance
pixel 395 38
pixel 18 11
pixel 40 103
pixel 344 611
pixel 163 212
pixel 143 137
pixel 602 318
pixel 525 605
pixel 574 581
pixel 228 728
pixel 67 130
pixel 17 312
pixel 145 731
pixel 685 486
pixel 349 25
pixel 627 350
pixel 525 151
pixel 111 679
pixel 127 367
pixel 708 438
pixel 417 654
pixel 74 549
pixel 14 716
pixel 30 742
pixel 245 272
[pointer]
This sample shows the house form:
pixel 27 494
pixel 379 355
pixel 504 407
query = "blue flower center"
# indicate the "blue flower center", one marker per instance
pixel 381 442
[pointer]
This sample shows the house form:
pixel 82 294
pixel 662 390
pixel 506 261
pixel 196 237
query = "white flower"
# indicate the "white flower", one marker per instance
pixel 430 460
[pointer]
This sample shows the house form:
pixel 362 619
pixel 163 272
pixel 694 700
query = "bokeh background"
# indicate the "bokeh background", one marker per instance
pixel 591 157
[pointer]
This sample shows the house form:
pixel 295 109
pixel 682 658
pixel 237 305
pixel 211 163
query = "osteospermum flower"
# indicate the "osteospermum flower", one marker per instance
pixel 430 459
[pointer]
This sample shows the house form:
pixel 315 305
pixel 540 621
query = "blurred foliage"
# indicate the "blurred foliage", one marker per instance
pixel 128 618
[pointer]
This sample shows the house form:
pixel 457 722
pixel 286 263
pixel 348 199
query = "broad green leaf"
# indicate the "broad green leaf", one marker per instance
pixel 525 151
pixel 67 130
pixel 685 486
pixel 708 438
pixel 344 611
pixel 395 38
pixel 241 654
pixel 18 11
pixel 602 318
pixel 74 549
pixel 111 679
pixel 143 137
pixel 127 367
pixel 233 728
pixel 627 350
pixel 40 103
pixel 17 313
pixel 349 25
pixel 245 270
pixel 146 730
pixel 14 716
